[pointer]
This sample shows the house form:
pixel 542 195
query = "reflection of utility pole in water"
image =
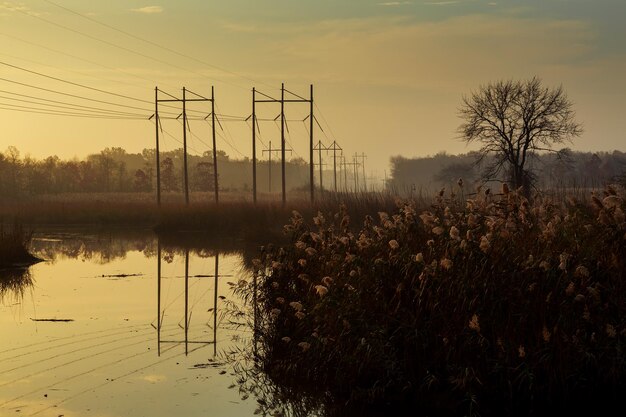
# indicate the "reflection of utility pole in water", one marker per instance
pixel 159 297
pixel 186 301
pixel 217 268
pixel 188 310
pixel 255 334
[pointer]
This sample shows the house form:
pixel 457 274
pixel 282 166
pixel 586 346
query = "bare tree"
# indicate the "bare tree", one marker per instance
pixel 514 120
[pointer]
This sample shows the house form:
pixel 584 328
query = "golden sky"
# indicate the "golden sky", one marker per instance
pixel 388 76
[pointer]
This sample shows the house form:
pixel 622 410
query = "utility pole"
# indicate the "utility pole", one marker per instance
pixel 356 165
pixel 282 102
pixel 334 147
pixel 345 173
pixel 158 161
pixel 215 179
pixel 185 128
pixel 311 116
pixel 355 175
pixel 363 157
pixel 185 175
pixel 320 147
pixel 269 150
pixel 282 141
pixel 254 145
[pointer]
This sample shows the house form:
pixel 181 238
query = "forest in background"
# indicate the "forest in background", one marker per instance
pixel 115 170
pixel 575 170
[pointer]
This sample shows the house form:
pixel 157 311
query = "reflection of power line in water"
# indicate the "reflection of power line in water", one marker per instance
pixel 106 365
pixel 75 360
pixel 93 388
pixel 48 342
pixel 66 352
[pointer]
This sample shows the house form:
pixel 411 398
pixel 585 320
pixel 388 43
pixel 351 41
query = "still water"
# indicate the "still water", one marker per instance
pixel 103 328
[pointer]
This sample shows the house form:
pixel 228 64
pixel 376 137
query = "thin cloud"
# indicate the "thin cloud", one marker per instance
pixel 148 10
pixel 15 7
pixel 440 3
pixel 395 3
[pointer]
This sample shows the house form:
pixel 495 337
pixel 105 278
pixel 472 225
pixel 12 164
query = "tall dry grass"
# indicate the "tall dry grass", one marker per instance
pixel 491 305
pixel 14 244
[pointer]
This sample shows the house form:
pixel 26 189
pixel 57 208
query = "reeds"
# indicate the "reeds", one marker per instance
pixel 14 245
pixel 491 305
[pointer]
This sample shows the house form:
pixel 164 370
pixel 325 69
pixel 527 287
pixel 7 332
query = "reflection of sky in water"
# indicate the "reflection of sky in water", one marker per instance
pixel 105 361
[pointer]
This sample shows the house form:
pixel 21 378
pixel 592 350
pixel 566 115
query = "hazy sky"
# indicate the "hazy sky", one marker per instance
pixel 388 75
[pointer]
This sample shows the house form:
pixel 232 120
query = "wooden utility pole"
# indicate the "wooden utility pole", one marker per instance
pixel 282 142
pixel 345 173
pixel 269 150
pixel 254 145
pixel 363 157
pixel 215 179
pixel 282 102
pixel 334 147
pixel 158 100
pixel 311 116
pixel 185 172
pixel 356 165
pixel 320 147
pixel 186 127
pixel 158 161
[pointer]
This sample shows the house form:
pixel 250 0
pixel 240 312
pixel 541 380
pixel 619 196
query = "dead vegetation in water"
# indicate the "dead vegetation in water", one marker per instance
pixel 14 247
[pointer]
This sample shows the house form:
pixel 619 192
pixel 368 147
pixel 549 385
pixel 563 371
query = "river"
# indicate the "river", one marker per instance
pixel 106 327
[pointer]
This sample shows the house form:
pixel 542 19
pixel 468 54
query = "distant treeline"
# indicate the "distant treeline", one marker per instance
pixel 115 170
pixel 575 170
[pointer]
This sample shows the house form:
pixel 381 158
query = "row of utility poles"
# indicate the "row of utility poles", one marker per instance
pixel 264 98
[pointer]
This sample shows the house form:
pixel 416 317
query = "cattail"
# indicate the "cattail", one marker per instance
pixel 446 264
pixel 610 331
pixel 474 324
pixel 454 233
pixel 484 244
pixel 296 305
pixel 321 290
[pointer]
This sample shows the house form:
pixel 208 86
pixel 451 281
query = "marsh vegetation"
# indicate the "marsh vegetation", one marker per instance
pixel 14 244
pixel 490 305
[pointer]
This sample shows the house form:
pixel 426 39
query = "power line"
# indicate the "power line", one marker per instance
pixel 59 113
pixel 69 106
pixel 47 48
pixel 75 95
pixel 75 84
pixel 132 51
pixel 157 45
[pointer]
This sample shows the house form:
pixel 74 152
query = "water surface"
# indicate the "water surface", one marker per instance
pixel 80 335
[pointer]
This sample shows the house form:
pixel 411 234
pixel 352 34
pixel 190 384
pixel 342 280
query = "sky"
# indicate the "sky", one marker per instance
pixel 388 76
